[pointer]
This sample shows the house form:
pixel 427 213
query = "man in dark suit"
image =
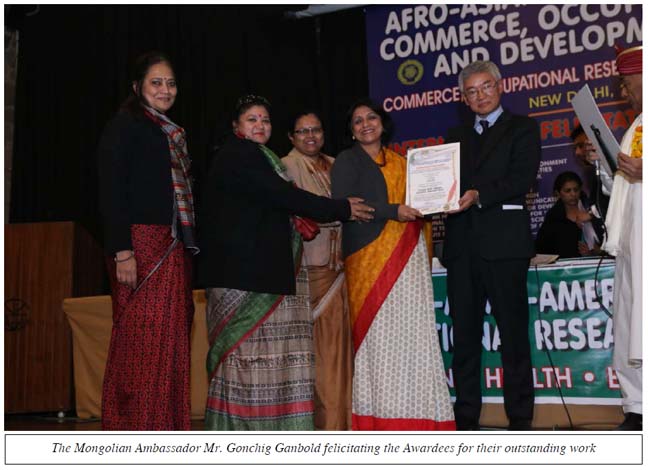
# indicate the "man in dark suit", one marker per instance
pixel 488 246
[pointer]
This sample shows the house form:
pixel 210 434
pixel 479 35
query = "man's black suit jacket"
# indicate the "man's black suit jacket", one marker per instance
pixel 245 230
pixel 502 167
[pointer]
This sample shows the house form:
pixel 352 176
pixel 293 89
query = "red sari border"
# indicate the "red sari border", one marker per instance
pixel 385 281
pixel 400 424
pixel 264 411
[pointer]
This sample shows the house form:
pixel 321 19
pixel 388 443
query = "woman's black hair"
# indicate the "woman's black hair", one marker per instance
pixel 133 103
pixel 245 102
pixel 566 177
pixel 292 121
pixel 387 123
pixel 578 130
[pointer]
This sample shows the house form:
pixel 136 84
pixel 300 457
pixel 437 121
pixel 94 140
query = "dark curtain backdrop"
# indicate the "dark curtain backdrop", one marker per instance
pixel 73 72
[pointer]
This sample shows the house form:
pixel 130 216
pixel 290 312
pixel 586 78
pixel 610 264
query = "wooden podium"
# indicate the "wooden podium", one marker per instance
pixel 44 263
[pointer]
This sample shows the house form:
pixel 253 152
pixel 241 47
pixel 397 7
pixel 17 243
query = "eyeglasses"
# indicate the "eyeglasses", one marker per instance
pixel 487 88
pixel 309 130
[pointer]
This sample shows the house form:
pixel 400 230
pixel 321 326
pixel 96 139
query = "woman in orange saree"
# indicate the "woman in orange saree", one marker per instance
pixel 399 381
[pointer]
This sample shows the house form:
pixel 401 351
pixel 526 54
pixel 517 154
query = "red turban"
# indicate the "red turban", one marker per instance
pixel 628 61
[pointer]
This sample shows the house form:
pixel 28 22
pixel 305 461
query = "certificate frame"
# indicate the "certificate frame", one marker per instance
pixel 433 178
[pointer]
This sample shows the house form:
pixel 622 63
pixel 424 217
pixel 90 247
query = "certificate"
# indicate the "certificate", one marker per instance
pixel 433 178
pixel 596 129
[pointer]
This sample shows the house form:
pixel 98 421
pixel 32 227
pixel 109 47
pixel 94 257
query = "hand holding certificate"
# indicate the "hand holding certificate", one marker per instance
pixel 433 178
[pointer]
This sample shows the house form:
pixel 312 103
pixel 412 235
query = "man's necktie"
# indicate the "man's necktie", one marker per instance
pixel 484 125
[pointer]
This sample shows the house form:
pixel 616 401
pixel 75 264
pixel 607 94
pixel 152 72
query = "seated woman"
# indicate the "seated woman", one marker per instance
pixel 310 169
pixel 570 229
pixel 399 381
pixel 260 362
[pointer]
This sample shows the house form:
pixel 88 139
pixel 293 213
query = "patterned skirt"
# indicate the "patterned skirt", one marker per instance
pixel 399 379
pixel 146 381
pixel 261 360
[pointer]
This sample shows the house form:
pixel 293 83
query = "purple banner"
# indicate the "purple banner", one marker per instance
pixel 546 53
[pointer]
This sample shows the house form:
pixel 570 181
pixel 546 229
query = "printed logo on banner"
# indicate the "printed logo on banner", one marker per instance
pixel 410 72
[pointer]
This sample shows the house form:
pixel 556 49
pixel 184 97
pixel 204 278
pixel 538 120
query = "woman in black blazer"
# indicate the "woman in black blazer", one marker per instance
pixel 260 361
pixel 147 208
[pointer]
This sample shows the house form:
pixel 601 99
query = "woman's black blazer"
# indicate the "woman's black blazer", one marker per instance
pixel 244 227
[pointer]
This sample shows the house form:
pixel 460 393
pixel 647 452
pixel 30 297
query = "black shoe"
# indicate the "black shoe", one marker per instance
pixel 632 422
pixel 467 426
pixel 521 425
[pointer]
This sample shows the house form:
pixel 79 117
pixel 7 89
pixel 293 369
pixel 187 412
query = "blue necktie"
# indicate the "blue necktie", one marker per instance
pixel 484 125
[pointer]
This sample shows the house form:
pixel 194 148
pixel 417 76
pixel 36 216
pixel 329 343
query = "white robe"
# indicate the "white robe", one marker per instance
pixel 623 240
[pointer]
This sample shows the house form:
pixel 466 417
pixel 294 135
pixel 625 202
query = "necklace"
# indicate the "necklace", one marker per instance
pixel 384 158
pixel 319 171
pixel 320 164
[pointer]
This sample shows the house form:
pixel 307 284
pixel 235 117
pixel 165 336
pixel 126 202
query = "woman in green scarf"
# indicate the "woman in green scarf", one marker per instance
pixel 260 362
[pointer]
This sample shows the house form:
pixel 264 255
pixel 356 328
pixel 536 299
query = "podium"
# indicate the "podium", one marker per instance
pixel 44 263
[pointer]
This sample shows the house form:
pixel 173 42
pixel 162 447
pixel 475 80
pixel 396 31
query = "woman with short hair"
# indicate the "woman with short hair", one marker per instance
pixel 399 380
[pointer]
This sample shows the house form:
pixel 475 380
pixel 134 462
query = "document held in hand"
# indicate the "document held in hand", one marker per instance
pixel 596 129
pixel 433 178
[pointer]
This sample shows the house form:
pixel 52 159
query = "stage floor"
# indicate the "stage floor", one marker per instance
pixel 50 422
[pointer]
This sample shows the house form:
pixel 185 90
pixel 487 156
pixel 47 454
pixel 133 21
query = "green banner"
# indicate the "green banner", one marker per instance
pixel 570 326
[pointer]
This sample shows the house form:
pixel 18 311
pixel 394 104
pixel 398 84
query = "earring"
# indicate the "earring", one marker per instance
pixel 353 137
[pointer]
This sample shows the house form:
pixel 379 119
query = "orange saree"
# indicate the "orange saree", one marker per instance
pixel 399 381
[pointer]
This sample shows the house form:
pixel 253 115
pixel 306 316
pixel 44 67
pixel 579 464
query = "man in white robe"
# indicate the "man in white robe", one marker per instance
pixel 623 240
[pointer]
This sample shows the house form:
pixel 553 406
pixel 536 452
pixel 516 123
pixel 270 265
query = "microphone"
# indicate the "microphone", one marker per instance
pixel 596 197
pixel 606 153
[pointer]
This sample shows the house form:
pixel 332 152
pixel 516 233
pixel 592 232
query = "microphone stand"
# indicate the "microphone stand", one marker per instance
pixel 606 153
